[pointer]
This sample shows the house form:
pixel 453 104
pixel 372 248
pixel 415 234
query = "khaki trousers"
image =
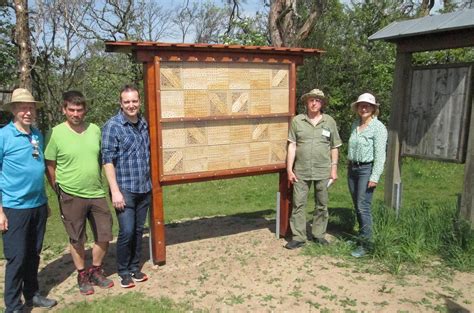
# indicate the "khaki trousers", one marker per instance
pixel 320 216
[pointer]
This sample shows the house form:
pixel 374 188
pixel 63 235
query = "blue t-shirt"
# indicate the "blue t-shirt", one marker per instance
pixel 21 168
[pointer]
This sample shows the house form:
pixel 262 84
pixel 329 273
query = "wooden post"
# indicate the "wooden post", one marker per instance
pixel 285 204
pixel 467 199
pixel 399 92
pixel 157 226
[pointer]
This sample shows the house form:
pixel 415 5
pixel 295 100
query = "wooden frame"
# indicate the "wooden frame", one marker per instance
pixel 152 55
pixel 407 45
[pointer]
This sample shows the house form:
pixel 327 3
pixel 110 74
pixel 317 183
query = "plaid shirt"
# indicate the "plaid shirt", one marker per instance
pixel 127 147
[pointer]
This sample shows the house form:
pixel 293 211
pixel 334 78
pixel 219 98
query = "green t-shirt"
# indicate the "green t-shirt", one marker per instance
pixel 313 146
pixel 77 159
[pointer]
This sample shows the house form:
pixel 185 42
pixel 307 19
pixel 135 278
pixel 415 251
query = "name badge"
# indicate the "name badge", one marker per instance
pixel 326 133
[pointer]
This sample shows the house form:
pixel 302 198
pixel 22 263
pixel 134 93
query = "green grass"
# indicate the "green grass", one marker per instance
pixel 129 302
pixel 425 229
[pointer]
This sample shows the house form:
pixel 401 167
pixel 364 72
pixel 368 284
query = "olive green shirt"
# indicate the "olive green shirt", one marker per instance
pixel 313 146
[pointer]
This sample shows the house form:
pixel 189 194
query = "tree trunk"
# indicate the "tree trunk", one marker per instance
pixel 22 39
pixel 287 27
pixel 425 7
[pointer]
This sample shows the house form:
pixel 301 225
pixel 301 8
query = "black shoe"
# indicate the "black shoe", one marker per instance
pixel 127 281
pixel 39 301
pixel 139 276
pixel 321 241
pixel 294 244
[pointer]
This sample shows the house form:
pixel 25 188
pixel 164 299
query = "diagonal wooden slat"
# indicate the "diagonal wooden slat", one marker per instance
pixel 259 131
pixel 173 161
pixel 240 102
pixel 196 135
pixel 171 77
pixel 278 78
pixel 218 106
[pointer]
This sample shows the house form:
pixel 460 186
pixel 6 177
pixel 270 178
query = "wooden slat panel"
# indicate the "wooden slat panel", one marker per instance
pixel 230 144
pixel 435 118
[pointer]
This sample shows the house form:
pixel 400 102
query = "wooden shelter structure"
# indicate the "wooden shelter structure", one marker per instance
pixel 432 113
pixel 215 111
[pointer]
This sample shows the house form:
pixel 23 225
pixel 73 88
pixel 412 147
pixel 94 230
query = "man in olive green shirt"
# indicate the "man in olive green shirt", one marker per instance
pixel 312 158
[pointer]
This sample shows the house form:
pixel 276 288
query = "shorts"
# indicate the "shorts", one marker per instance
pixel 76 210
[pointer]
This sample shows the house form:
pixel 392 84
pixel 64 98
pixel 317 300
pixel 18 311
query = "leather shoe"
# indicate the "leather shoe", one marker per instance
pixel 40 302
pixel 294 244
pixel 321 241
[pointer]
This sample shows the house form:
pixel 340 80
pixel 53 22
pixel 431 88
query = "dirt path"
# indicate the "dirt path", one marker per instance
pixel 237 265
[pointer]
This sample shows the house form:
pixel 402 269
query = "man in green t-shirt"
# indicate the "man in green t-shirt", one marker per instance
pixel 313 142
pixel 73 169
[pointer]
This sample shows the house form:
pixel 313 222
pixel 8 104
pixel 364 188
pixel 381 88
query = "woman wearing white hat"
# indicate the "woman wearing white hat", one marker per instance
pixel 366 155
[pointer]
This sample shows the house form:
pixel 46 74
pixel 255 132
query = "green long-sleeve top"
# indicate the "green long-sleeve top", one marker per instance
pixel 369 145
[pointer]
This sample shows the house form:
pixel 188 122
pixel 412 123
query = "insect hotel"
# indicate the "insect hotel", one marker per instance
pixel 215 112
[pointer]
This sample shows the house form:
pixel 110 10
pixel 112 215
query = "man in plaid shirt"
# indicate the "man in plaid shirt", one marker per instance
pixel 126 159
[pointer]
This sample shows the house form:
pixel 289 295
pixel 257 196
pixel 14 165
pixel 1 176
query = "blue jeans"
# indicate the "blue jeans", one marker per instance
pixel 22 245
pixel 358 178
pixel 131 221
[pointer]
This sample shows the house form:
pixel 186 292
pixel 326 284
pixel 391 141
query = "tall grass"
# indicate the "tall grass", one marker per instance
pixel 420 234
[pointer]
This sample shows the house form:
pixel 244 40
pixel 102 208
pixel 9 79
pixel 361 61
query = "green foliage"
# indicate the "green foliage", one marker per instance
pixel 129 302
pixel 106 73
pixel 351 64
pixel 247 31
pixel 8 60
pixel 460 55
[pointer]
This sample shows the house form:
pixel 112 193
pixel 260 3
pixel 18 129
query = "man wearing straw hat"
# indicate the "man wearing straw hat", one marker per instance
pixel 312 159
pixel 23 203
pixel 74 171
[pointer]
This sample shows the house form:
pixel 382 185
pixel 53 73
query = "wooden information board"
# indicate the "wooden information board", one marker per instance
pixel 215 111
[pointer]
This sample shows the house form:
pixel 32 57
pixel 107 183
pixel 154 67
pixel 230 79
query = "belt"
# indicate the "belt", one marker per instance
pixel 355 163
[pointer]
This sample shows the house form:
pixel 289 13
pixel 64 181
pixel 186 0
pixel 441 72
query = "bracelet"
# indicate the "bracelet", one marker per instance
pixel 335 163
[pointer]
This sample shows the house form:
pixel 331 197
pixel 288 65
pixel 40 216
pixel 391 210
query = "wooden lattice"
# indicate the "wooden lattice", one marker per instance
pixel 222 89
pixel 193 90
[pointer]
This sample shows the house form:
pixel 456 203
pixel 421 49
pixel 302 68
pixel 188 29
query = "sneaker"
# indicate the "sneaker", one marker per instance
pixel 98 278
pixel 294 244
pixel 139 276
pixel 126 281
pixel 85 286
pixel 39 301
pixel 359 252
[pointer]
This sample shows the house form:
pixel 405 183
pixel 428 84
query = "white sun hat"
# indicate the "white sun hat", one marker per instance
pixel 367 98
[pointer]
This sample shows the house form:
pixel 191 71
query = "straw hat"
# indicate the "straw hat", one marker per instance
pixel 315 93
pixel 21 95
pixel 367 98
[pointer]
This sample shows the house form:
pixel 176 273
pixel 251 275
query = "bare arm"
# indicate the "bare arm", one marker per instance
pixel 51 173
pixel 3 220
pixel 117 198
pixel 334 160
pixel 290 161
